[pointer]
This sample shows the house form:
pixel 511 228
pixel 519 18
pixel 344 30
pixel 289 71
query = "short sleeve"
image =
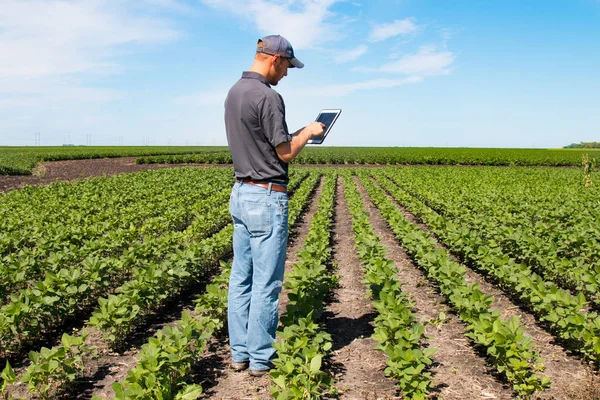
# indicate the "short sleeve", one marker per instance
pixel 272 120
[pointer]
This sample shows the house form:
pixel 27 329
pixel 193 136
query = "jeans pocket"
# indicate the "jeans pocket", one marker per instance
pixel 257 217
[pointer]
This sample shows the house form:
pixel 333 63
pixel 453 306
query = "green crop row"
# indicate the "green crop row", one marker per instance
pixel 50 367
pixel 404 155
pixel 396 329
pixel 40 220
pixel 150 288
pixel 302 344
pixel 563 312
pixel 218 157
pixel 302 192
pixel 117 315
pixel 50 255
pixel 166 361
pixel 554 230
pixel 300 189
pixel 508 349
pixel 22 160
pixel 71 290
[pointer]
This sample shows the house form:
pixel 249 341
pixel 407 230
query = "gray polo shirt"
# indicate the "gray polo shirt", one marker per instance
pixel 255 125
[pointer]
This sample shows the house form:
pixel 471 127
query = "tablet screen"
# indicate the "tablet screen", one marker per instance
pixel 328 118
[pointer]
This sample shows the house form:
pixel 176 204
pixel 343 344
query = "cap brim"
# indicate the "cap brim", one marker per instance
pixel 296 63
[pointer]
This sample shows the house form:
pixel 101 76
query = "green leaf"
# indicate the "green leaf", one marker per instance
pixel 8 375
pixel 428 352
pixel 280 381
pixel 190 392
pixel 315 364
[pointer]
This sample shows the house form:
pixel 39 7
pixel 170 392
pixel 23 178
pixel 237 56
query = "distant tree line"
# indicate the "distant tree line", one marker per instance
pixel 583 145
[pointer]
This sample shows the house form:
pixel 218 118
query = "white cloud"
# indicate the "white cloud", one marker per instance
pixel 426 62
pixel 305 23
pixel 41 38
pixel 45 43
pixel 340 90
pixel 399 27
pixel 351 55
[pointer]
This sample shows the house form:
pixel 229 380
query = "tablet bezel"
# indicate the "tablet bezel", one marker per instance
pixel 337 112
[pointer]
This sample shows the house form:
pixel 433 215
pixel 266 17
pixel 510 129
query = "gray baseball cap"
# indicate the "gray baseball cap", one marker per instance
pixel 276 44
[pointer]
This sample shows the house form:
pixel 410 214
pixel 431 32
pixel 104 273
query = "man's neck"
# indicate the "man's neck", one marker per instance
pixel 260 68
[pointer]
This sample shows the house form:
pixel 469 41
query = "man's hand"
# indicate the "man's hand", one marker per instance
pixel 287 151
pixel 315 129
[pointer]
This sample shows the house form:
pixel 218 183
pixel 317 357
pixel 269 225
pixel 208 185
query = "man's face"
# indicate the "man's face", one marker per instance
pixel 280 67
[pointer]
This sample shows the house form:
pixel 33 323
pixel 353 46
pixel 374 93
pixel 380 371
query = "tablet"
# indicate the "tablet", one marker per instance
pixel 327 117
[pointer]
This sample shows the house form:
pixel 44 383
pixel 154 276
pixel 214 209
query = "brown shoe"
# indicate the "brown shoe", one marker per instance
pixel 239 366
pixel 257 373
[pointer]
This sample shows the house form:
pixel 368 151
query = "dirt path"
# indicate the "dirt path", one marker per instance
pixel 571 379
pixel 218 380
pixel 357 365
pixel 100 374
pixel 71 170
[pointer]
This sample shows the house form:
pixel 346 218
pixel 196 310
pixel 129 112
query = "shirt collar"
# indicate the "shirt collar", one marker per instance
pixel 255 75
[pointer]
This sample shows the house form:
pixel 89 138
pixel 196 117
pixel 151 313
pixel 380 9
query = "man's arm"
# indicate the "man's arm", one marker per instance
pixel 287 151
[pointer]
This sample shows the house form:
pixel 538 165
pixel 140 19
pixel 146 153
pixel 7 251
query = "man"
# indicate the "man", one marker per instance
pixel 261 148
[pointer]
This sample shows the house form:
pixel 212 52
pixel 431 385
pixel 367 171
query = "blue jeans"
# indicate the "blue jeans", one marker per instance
pixel 260 234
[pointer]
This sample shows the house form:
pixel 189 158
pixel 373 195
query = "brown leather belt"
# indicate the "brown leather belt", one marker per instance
pixel 275 187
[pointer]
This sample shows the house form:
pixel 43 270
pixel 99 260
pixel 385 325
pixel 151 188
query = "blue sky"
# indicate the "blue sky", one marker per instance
pixel 405 73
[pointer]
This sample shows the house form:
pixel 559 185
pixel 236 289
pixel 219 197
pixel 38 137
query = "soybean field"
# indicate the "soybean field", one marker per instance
pixel 414 282
pixel 26 160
